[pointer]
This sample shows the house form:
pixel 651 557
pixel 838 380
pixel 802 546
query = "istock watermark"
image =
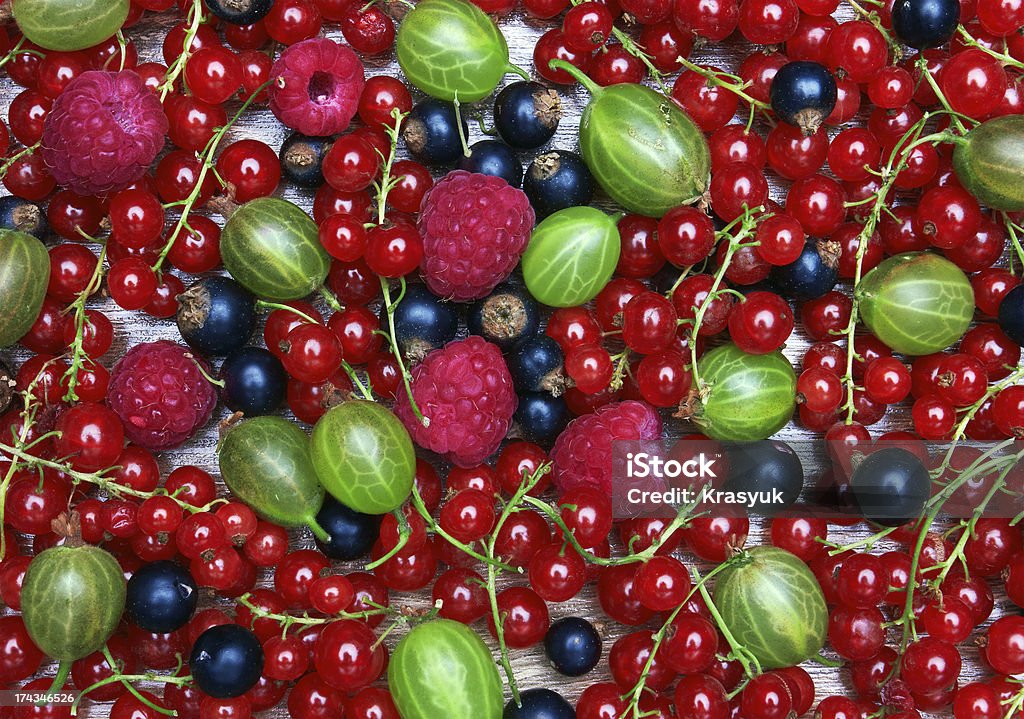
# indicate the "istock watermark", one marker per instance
pixel 888 482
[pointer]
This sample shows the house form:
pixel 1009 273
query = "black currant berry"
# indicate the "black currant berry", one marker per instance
pixel 431 132
pixel 216 316
pixel 255 382
pixel 526 114
pixel 890 486
pixel 505 317
pixel 491 157
pixel 1011 314
pixel 762 467
pixel 162 597
pixel 537 365
pixel 23 216
pixel 302 159
pixel 925 23
pixel 541 417
pixel 539 704
pixel 557 180
pixel 812 274
pixel 240 12
pixel 226 661
pixel 423 322
pixel 803 93
pixel 352 533
pixel 573 646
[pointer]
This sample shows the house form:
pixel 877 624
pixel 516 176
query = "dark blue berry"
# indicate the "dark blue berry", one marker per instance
pixel 539 704
pixel 352 533
pixel 765 466
pixel 557 180
pixel 162 597
pixel 226 661
pixel 803 93
pixel 423 322
pixel 490 157
pixel 890 486
pixel 216 316
pixel 1011 314
pixel 573 646
pixel 925 23
pixel 302 159
pixel 255 382
pixel 811 275
pixel 431 132
pixel 541 417
pixel 537 365
pixel 505 317
pixel 526 114
pixel 23 216
pixel 240 12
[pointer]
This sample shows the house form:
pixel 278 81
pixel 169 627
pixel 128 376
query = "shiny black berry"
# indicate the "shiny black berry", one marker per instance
pixel 491 157
pixel 925 23
pixel 23 216
pixel 423 322
pixel 226 661
pixel 352 533
pixel 541 417
pixel 890 486
pixel 526 114
pixel 506 316
pixel 537 365
pixel 302 159
pixel 255 381
pixel 216 316
pixel 764 466
pixel 573 646
pixel 812 274
pixel 803 93
pixel 240 12
pixel 431 132
pixel 1011 314
pixel 162 597
pixel 557 180
pixel 539 704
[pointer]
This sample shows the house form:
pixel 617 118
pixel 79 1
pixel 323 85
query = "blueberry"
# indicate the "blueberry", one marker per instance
pixel 541 417
pixel 352 533
pixel 537 365
pixel 226 661
pixel 255 382
pixel 765 466
pixel 423 322
pixel 812 274
pixel 23 216
pixel 1011 314
pixel 490 157
pixel 161 597
pixel 925 23
pixel 216 316
pixel 539 704
pixel 803 93
pixel 302 159
pixel 505 317
pixel 526 114
pixel 557 180
pixel 240 12
pixel 431 133
pixel 573 646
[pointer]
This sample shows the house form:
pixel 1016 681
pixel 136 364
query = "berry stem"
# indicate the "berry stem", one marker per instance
pixel 392 338
pixel 194 19
pixel 732 83
pixel 387 182
pixel 1002 57
pixel 289 619
pixel 16 50
pixel 1014 231
pixel 403 538
pixel 206 166
pixel 77 351
pixel 24 152
pixel 748 661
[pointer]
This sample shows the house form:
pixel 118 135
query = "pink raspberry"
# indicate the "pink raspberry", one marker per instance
pixel 465 391
pixel 582 454
pixel 475 228
pixel 103 132
pixel 160 394
pixel 316 87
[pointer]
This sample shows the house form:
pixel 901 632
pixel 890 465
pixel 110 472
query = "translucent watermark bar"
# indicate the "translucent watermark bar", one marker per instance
pixel 29 698
pixel 888 481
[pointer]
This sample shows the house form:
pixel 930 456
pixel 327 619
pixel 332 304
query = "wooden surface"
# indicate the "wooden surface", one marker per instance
pixel 530 666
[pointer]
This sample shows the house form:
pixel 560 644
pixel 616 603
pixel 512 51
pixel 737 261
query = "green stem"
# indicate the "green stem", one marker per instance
pixel 392 337
pixel 63 672
pixel 751 667
pixel 723 79
pixel 9 162
pixel 78 354
pixel 194 19
pixel 592 87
